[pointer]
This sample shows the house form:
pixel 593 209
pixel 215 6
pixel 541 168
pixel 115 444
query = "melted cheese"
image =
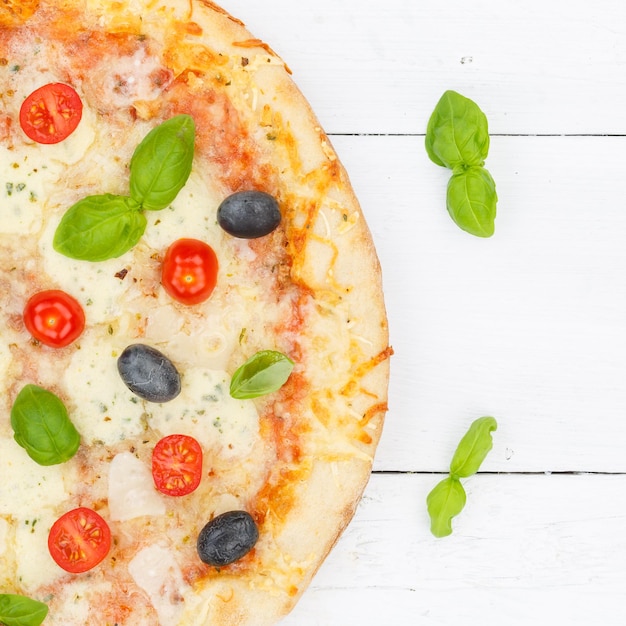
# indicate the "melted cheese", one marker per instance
pixel 126 79
pixel 156 571
pixel 205 410
pixel 29 501
pixel 103 409
pixel 131 489
pixel 34 487
pixel 28 177
pixel 124 303
pixel 31 537
pixel 23 177
pixel 5 360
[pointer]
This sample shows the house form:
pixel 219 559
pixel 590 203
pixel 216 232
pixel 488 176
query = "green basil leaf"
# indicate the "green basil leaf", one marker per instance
pixel 265 372
pixel 448 497
pixel 457 133
pixel 473 448
pixel 471 201
pixel 444 502
pixel 42 426
pixel 100 227
pixel 161 163
pixel 16 610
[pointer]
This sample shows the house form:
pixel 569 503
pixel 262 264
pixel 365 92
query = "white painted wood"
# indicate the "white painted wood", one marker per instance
pixel 526 550
pixel 529 326
pixel 534 66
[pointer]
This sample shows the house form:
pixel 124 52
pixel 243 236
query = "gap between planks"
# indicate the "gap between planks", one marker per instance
pixel 617 135
pixel 494 473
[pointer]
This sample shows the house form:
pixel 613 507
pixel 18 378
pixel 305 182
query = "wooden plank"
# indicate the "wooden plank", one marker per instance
pixel 529 326
pixel 526 549
pixel 533 66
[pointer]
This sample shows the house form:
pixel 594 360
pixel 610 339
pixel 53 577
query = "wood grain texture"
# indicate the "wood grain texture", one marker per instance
pixel 529 326
pixel 526 550
pixel 372 67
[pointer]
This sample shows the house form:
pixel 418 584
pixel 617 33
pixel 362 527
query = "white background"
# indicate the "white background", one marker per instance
pixel 528 326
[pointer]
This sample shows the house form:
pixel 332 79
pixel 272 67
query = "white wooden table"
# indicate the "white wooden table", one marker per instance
pixel 529 326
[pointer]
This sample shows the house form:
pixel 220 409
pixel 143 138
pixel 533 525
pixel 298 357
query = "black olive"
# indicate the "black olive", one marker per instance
pixel 226 538
pixel 249 214
pixel 149 373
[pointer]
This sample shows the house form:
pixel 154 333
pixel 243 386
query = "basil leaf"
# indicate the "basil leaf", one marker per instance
pixel 457 133
pixel 473 448
pixel 448 497
pixel 444 502
pixel 16 610
pixel 42 427
pixel 100 227
pixel 265 372
pixel 161 163
pixel 471 201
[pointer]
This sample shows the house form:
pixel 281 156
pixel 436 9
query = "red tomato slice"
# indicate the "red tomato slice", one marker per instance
pixel 177 465
pixel 54 318
pixel 51 113
pixel 189 271
pixel 79 540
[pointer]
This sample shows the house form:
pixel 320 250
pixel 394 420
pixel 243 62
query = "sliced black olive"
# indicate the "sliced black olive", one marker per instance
pixel 149 373
pixel 227 538
pixel 249 214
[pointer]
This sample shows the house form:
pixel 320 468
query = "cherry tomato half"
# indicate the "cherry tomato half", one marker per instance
pixel 189 271
pixel 177 465
pixel 79 540
pixel 54 318
pixel 51 113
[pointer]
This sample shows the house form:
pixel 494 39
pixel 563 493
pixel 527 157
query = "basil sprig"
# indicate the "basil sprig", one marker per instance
pixel 106 226
pixel 97 228
pixel 457 137
pixel 16 610
pixel 265 372
pixel 447 499
pixel 42 426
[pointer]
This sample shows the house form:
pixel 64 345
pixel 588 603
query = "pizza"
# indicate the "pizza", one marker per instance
pixel 194 350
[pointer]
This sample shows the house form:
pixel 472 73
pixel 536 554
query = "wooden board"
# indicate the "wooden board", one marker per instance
pixel 526 550
pixel 529 326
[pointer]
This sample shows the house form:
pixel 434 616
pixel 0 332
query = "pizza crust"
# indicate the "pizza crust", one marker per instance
pixel 325 425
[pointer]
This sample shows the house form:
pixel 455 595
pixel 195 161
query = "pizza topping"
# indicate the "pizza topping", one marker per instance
pixel 42 426
pixel 54 317
pixel 265 372
pixel 204 410
pixel 79 540
pixel 149 373
pixel 106 226
pixel 257 306
pixel 161 163
pixel 99 227
pixel 51 113
pixel 227 538
pixel 18 610
pixel 155 570
pixel 177 465
pixel 189 271
pixel 249 214
pixel 131 491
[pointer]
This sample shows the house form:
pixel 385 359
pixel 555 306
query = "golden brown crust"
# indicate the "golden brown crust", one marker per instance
pixel 17 11
pixel 325 424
